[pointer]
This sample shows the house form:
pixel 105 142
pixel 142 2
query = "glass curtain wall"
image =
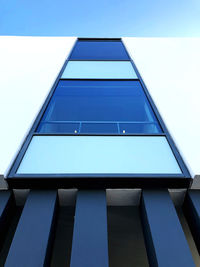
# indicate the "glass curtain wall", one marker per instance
pixel 100 120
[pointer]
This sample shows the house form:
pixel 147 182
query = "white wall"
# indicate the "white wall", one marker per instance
pixel 28 68
pixel 170 68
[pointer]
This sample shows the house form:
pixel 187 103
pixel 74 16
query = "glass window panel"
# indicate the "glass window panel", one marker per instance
pixel 99 70
pixel 98 102
pixel 99 50
pixel 139 128
pixel 59 127
pixel 99 128
pixel 99 154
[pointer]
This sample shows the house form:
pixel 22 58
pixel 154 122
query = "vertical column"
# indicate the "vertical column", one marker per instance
pixel 31 244
pixel 90 239
pixel 165 240
pixel 6 208
pixel 191 209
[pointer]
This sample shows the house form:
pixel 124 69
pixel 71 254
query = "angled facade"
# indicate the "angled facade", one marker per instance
pixel 97 174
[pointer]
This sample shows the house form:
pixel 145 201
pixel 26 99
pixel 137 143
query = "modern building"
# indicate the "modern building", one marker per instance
pixel 100 152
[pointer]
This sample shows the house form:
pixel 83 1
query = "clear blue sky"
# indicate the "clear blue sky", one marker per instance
pixel 100 18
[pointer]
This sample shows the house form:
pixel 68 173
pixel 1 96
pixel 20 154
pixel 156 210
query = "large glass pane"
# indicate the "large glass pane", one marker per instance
pixel 99 50
pixel 99 107
pixel 99 70
pixel 99 154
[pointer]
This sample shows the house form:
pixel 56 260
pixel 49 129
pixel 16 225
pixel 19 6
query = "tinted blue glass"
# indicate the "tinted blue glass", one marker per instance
pixel 99 103
pixel 98 154
pixel 104 69
pixel 139 128
pixel 99 128
pixel 99 50
pixel 59 127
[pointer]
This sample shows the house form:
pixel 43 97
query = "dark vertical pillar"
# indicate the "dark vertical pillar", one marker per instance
pixel 90 239
pixel 191 208
pixel 165 240
pixel 31 244
pixel 7 205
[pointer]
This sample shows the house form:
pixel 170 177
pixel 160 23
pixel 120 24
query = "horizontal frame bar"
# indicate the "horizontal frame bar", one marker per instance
pixel 98 39
pixel 92 182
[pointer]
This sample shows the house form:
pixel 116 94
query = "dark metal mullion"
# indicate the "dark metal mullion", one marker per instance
pixel 100 122
pixel 126 60
pixel 96 175
pixel 32 242
pixel 98 39
pixel 90 238
pixel 97 134
pixel 98 79
pixel 164 237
